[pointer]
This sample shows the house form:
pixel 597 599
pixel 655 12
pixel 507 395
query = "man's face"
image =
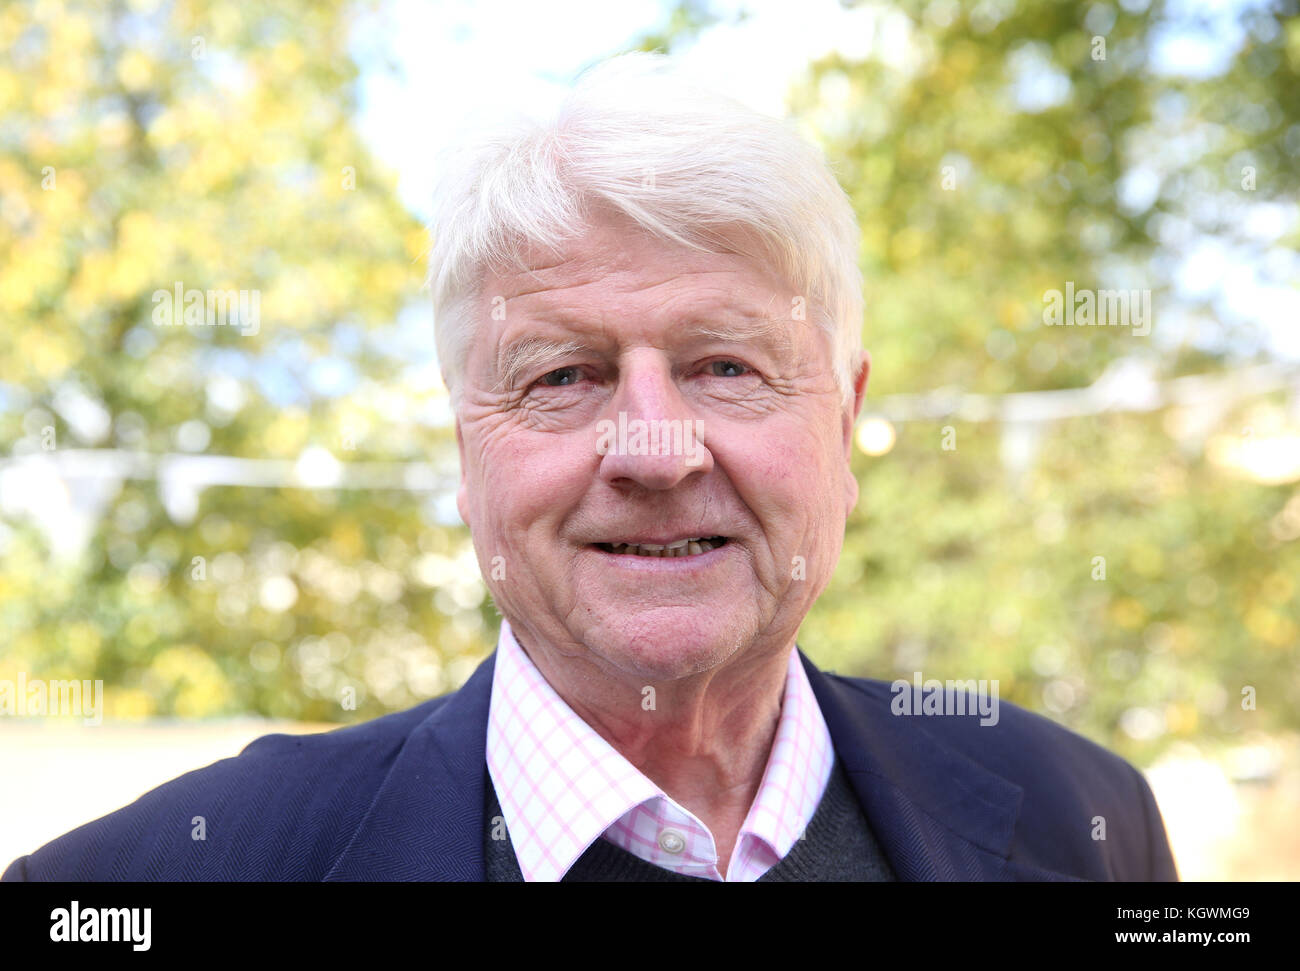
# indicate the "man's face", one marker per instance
pixel 743 437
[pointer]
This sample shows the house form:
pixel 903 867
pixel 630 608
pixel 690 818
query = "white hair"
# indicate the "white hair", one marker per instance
pixel 687 164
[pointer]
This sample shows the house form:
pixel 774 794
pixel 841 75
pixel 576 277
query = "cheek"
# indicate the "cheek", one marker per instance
pixel 790 482
pixel 526 478
pixel 794 465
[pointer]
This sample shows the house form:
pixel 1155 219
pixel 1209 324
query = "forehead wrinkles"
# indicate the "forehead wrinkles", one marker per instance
pixel 557 286
pixel 589 259
pixel 612 251
pixel 720 311
pixel 602 298
pixel 611 289
pixel 563 275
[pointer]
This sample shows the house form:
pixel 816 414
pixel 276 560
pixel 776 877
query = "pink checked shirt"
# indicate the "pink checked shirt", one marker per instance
pixel 561 786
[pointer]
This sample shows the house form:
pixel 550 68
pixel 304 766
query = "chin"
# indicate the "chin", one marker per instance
pixel 668 643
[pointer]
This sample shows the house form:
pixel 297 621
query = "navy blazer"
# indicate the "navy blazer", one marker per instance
pixel 402 798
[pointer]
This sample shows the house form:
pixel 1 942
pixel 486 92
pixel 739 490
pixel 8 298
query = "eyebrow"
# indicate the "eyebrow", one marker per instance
pixel 535 352
pixel 530 353
pixel 745 327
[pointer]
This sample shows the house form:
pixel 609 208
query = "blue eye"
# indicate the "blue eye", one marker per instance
pixel 561 377
pixel 729 369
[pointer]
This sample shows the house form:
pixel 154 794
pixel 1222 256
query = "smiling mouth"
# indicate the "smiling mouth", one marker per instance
pixel 682 547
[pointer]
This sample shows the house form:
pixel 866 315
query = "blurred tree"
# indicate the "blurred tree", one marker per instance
pixel 1119 581
pixel 210 144
pixel 994 151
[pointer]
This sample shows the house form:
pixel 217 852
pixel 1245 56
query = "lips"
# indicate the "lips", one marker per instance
pixel 684 546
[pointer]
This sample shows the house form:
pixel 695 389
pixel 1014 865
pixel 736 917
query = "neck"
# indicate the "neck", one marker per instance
pixel 704 739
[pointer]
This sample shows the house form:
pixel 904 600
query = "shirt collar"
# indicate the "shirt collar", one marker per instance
pixel 562 786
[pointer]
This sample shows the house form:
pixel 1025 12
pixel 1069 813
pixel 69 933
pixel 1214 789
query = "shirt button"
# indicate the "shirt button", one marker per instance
pixel 671 841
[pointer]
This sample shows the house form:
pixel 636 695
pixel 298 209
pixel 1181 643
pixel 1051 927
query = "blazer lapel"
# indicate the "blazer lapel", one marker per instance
pixel 937 814
pixel 426 822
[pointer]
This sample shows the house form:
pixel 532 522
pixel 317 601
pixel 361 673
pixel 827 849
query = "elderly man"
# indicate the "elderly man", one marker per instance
pixel 649 321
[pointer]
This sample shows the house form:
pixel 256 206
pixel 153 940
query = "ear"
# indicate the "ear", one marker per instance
pixel 462 492
pixel 861 371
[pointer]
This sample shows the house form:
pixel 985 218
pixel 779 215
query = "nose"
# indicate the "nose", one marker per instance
pixel 649 437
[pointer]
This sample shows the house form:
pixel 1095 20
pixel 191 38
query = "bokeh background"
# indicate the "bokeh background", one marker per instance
pixel 243 532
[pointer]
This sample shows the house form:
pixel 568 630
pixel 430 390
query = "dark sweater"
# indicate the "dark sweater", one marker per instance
pixel 837 847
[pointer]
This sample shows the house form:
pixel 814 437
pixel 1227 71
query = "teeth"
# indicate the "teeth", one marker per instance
pixel 681 547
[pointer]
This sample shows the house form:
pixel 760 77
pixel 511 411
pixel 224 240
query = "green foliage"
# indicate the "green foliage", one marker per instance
pixel 213 143
pixel 240 168
pixel 952 566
